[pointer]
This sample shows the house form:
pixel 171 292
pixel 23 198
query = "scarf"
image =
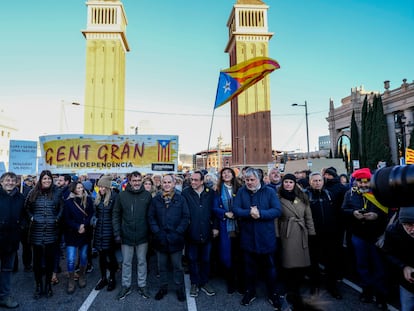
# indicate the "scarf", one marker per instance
pixel 227 200
pixel 288 195
pixel 167 197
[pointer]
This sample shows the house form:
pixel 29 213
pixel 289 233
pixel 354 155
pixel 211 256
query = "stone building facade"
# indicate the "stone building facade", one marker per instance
pixel 398 107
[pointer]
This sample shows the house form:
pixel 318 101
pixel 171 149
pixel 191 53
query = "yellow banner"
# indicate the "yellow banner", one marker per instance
pixel 109 153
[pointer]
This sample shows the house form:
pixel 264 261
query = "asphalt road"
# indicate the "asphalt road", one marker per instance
pixel 89 299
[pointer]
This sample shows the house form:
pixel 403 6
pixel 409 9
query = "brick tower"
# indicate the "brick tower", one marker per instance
pixel 250 111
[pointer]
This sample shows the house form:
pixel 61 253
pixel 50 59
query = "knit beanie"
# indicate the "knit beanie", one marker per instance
pixel 406 214
pixel 87 185
pixel 331 171
pixel 289 176
pixel 105 181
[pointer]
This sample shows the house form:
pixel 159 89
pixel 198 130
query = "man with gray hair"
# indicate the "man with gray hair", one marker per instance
pixel 11 220
pixel 257 206
pixel 325 246
pixel 275 179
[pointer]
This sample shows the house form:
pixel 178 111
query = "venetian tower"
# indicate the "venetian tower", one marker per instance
pixel 106 47
pixel 250 111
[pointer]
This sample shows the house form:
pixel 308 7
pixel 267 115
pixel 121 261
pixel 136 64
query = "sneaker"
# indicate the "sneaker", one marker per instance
pixel 274 300
pixel 248 298
pixel 194 290
pixel 143 291
pixel 125 291
pixel 89 268
pixel 8 302
pixel 208 290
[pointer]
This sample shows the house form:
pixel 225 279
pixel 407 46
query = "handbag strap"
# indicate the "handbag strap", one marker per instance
pixel 80 208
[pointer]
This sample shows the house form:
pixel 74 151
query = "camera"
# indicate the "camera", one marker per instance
pixel 394 186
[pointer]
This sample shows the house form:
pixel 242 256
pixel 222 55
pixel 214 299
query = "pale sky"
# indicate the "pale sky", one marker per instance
pixel 324 48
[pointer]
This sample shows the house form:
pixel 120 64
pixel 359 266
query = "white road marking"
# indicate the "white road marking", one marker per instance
pixel 191 302
pixel 88 302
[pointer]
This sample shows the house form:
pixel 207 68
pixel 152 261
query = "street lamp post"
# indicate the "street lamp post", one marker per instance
pixel 63 118
pixel 307 125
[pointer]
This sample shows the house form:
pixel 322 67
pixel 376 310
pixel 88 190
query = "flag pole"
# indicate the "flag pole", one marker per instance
pixel 209 138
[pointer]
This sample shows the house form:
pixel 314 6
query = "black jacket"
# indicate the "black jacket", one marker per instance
pixel 104 233
pixel 44 214
pixel 326 217
pixel 168 222
pixel 368 230
pixel 201 214
pixel 11 220
pixel 398 246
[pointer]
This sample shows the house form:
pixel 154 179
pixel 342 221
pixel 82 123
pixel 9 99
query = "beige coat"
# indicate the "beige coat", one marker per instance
pixel 293 227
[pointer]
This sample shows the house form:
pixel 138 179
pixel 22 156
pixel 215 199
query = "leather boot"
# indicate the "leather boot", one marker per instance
pixel 111 282
pixel 82 277
pixel 48 289
pixel 39 290
pixel 102 283
pixel 71 283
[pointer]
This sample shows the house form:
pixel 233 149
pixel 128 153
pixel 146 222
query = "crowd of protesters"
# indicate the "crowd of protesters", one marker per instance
pixel 280 228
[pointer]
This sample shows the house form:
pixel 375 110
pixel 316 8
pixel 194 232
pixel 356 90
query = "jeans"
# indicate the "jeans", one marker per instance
pixel 406 299
pixel 370 266
pixel 199 262
pixel 127 255
pixel 176 262
pixel 7 261
pixel 71 256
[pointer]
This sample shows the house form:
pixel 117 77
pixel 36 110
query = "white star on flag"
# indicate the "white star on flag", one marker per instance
pixel 226 87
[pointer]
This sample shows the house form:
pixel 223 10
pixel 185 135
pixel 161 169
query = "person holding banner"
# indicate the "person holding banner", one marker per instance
pixel 44 207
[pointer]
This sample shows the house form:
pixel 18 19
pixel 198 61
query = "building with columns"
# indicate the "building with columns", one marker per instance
pixel 251 136
pixel 106 48
pixel 398 104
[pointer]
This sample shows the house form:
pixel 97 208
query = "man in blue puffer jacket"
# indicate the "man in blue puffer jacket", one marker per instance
pixel 257 206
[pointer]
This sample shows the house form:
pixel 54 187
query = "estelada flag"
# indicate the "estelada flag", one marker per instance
pixel 409 156
pixel 236 79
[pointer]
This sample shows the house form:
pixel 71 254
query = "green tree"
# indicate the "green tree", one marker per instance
pixel 364 125
pixel 354 152
pixel 411 142
pixel 379 147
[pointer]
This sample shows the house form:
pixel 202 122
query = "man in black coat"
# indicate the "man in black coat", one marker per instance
pixel 11 221
pixel 200 200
